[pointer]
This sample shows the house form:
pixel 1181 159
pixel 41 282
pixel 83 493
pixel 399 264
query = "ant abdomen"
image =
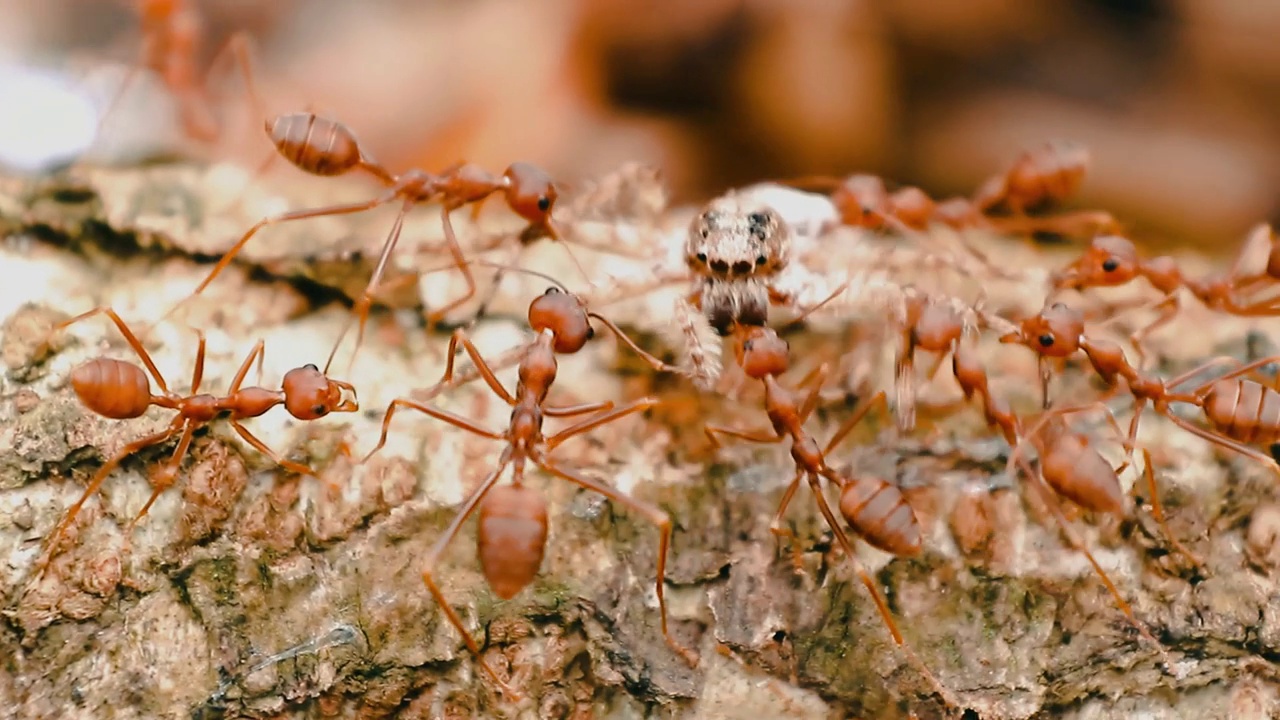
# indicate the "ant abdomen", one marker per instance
pixel 112 388
pixel 314 144
pixel 877 510
pixel 1077 472
pixel 512 538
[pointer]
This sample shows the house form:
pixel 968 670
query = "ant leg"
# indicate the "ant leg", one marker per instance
pixel 571 410
pixel 230 254
pixel 654 515
pixel 1220 360
pixel 365 302
pixel 129 337
pixel 870 584
pixel 460 262
pixel 596 421
pixel 164 479
pixel 1157 511
pixel 904 383
pixel 764 437
pixel 1169 309
pixel 507 359
pixel 878 399
pixel 1224 442
pixel 261 447
pixel 810 403
pixel 1046 496
pixel 96 483
pixel 258 352
pixel 783 533
pixel 468 507
pixel 239 49
pixel 452 419
pixel 654 362
pixel 482 367
pixel 197 374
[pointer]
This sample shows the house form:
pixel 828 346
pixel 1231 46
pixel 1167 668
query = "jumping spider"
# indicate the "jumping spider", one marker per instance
pixel 736 248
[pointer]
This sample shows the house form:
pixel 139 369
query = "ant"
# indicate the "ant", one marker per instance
pixel 1088 485
pixel 874 508
pixel 324 147
pixel 934 324
pixel 121 390
pixel 172 31
pixel 1241 411
pixel 512 533
pixel 1039 178
pixel 1112 260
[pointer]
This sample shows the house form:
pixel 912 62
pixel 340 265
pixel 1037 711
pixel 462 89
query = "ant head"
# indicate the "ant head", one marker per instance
pixel 531 193
pixel 761 352
pixel 860 198
pixel 309 394
pixel 1110 260
pixel 1055 332
pixel 565 316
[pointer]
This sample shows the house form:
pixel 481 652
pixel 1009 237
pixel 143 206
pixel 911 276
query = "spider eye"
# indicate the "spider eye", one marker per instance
pixel 757 218
pixel 702 257
pixel 1046 340
pixel 761 260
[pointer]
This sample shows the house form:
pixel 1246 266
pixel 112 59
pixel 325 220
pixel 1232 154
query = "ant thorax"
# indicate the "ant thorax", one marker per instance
pixel 736 247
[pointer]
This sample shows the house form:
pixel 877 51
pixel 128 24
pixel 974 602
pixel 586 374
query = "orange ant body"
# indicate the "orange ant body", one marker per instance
pixel 121 390
pixel 933 324
pixel 874 508
pixel 512 532
pixel 1069 467
pixel 1240 410
pixel 325 147
pixel 1040 178
pixel 172 31
pixel 1112 260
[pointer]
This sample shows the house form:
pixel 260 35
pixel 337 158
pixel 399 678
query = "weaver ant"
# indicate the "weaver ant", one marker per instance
pixel 1039 178
pixel 1241 411
pixel 512 533
pixel 121 390
pixel 874 508
pixel 1112 260
pixel 172 31
pixel 931 323
pixel 325 147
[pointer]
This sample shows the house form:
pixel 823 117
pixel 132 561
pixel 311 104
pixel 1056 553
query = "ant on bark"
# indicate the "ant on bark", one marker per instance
pixel 1242 411
pixel 512 533
pixel 121 390
pixel 1112 260
pixel 874 508
pixel 325 147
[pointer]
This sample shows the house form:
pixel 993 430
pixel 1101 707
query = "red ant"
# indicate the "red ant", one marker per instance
pixel 1070 467
pixel 1039 178
pixel 874 508
pixel 1241 411
pixel 121 390
pixel 933 324
pixel 325 147
pixel 171 37
pixel 512 532
pixel 1113 260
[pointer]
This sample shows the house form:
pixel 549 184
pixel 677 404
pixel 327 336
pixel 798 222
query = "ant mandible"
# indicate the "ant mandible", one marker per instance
pixel 512 533
pixel 121 390
pixel 874 508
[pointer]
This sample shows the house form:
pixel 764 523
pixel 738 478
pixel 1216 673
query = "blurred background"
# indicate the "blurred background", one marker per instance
pixel 1175 100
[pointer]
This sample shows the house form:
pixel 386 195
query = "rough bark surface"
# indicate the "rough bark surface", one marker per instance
pixel 249 592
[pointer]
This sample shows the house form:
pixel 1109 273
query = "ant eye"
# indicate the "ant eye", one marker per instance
pixel 544 203
pixel 761 260
pixel 552 291
pixel 1110 265
pixel 702 257
pixel 320 411
pixel 591 332
pixel 1058 306
pixel 1046 340
pixel 311 366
